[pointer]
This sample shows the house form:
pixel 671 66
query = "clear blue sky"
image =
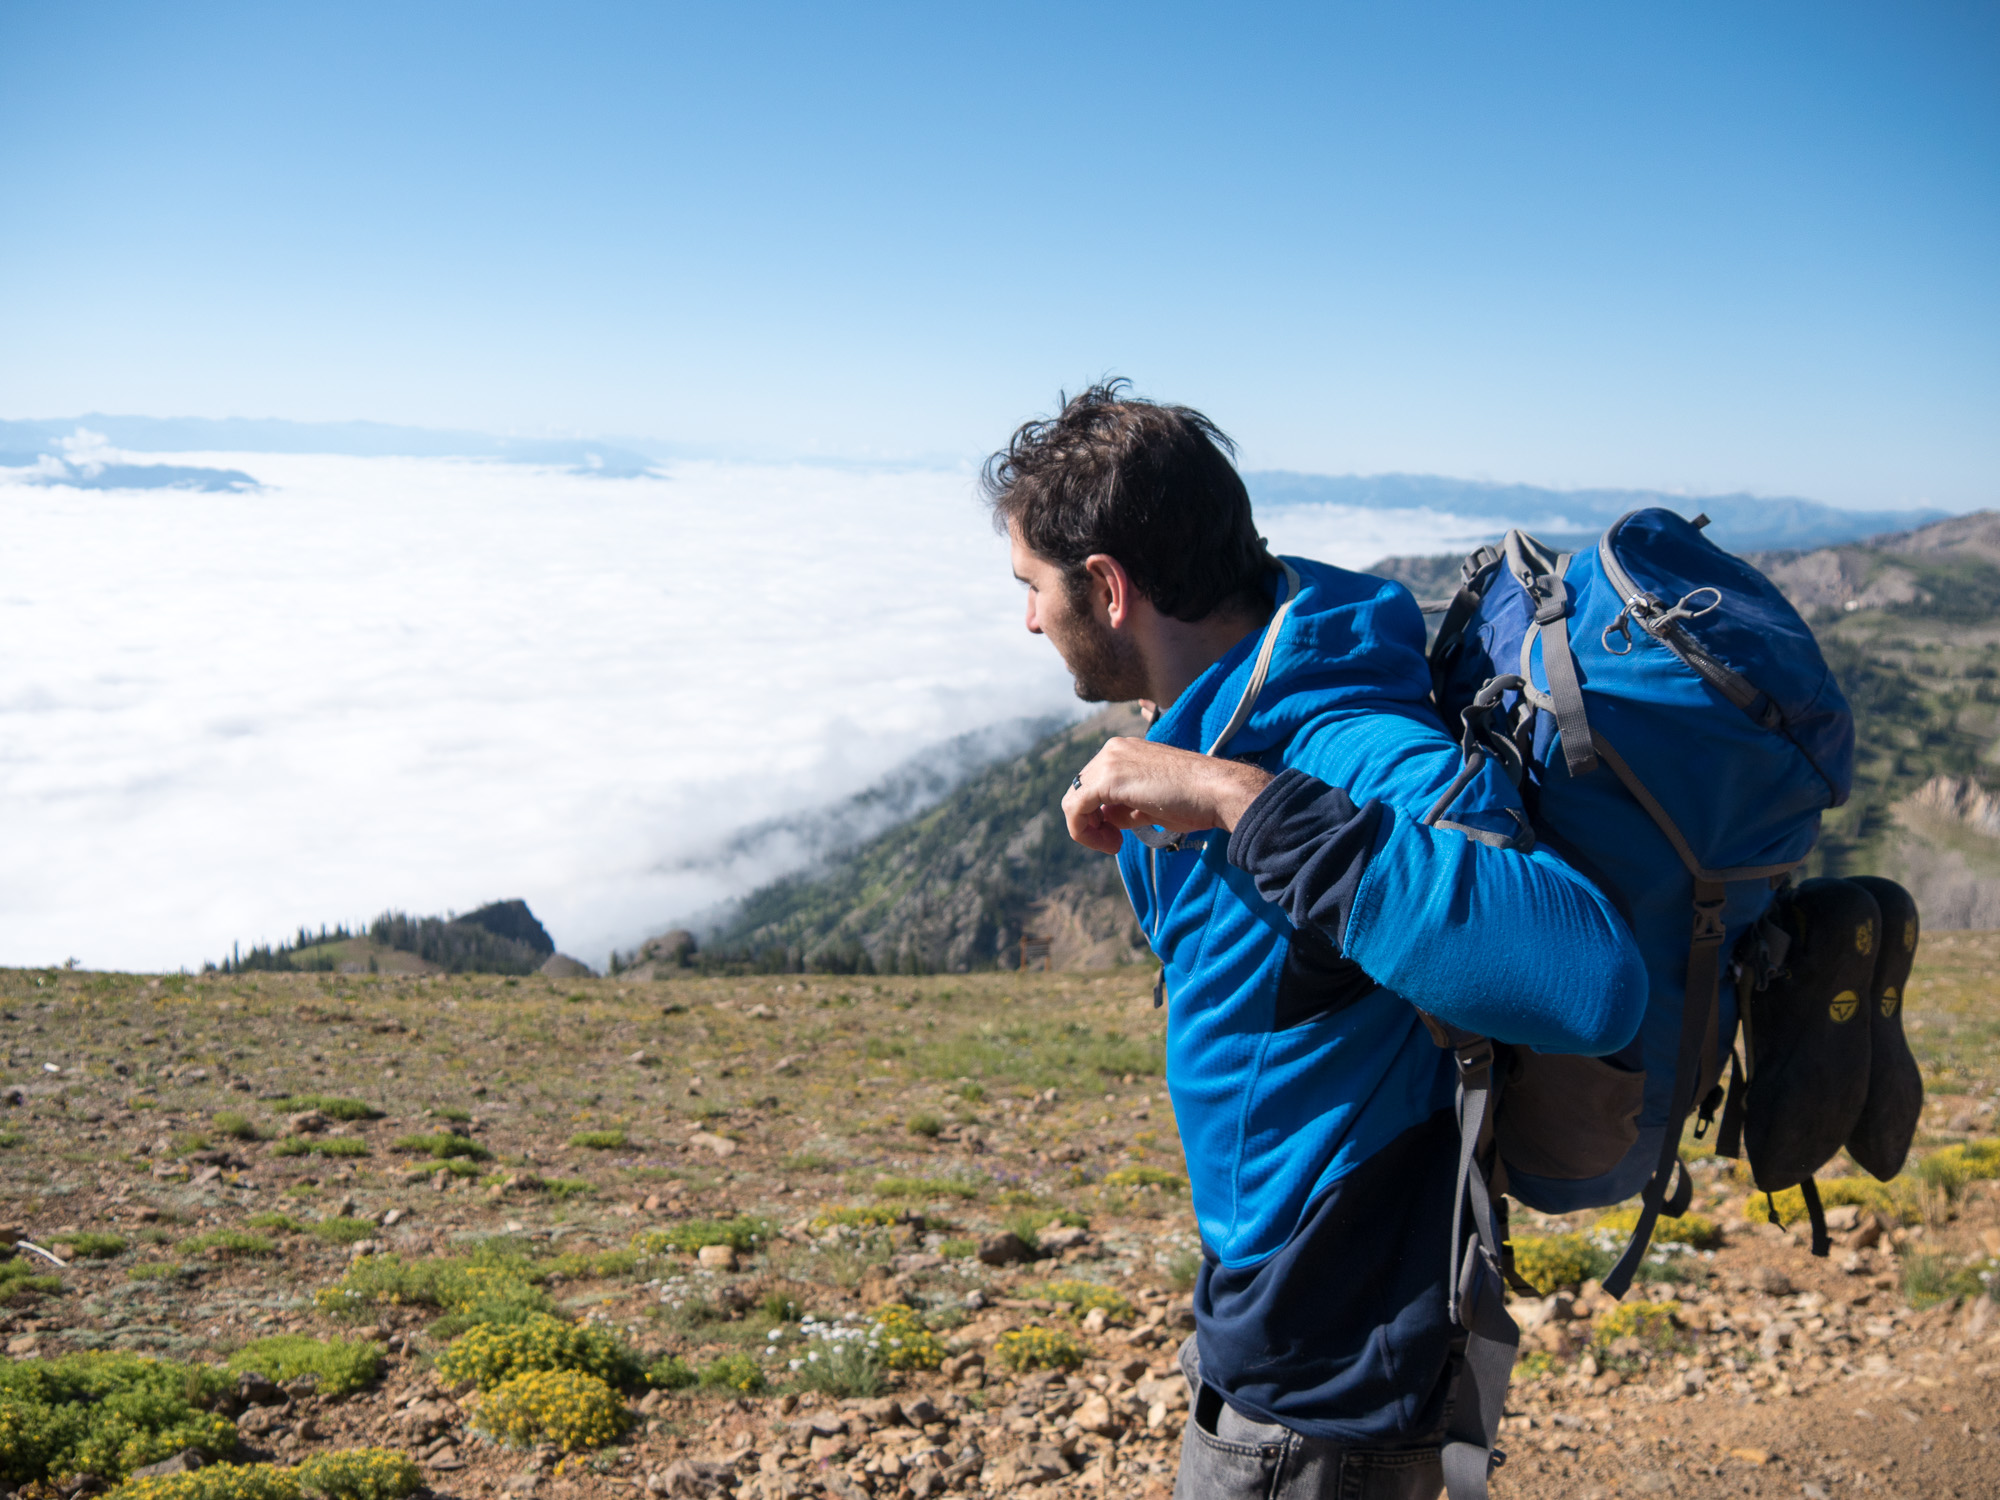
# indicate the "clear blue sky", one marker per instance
pixel 1699 245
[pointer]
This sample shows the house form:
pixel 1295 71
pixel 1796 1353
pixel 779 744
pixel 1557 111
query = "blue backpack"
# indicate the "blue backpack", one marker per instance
pixel 1676 734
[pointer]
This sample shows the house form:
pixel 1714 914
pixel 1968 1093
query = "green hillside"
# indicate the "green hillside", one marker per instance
pixel 959 887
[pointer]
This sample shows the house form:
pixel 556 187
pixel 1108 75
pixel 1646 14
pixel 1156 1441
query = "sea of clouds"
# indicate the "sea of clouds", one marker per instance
pixel 430 683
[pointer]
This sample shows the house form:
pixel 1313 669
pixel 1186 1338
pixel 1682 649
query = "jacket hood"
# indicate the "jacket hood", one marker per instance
pixel 1350 640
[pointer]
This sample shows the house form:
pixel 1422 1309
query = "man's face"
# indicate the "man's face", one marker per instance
pixel 1103 661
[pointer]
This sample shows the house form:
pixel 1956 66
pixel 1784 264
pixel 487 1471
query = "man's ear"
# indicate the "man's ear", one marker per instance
pixel 1112 595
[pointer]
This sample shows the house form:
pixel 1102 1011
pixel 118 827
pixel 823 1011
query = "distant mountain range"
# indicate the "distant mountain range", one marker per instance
pixel 1910 622
pixel 1565 517
pixel 1741 521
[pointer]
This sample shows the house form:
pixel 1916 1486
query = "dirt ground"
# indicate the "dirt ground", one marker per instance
pixel 601 1110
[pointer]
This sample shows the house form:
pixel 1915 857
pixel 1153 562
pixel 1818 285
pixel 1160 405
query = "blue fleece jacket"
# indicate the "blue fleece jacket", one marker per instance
pixel 1314 1108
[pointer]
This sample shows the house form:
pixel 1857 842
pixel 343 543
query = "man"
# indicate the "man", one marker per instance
pixel 1302 918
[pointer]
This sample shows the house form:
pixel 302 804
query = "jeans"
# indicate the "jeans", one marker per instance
pixel 1227 1456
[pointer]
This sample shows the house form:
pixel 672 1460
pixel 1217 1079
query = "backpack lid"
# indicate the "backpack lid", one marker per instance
pixel 1731 625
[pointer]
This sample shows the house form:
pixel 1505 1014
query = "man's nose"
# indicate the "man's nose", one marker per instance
pixel 1034 625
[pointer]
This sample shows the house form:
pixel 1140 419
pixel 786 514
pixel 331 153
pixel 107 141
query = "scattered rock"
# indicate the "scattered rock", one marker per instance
pixel 721 1145
pixel 1060 1237
pixel 717 1257
pixel 184 1462
pixel 306 1122
pixel 1005 1249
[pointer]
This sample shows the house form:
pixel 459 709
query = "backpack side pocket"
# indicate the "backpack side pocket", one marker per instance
pixel 1567 1118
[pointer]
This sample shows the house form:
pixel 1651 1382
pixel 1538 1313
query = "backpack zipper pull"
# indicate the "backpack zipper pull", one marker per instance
pixel 1160 987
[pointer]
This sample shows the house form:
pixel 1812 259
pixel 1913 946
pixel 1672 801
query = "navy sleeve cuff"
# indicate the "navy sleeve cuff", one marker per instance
pixel 1306 846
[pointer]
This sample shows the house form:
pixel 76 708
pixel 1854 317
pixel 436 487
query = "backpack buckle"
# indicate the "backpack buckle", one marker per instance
pixel 1551 605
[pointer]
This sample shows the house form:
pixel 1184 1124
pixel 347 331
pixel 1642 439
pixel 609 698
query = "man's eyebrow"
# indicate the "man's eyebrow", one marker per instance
pixel 1019 579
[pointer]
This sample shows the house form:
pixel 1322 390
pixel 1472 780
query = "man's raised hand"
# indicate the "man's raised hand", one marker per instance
pixel 1133 783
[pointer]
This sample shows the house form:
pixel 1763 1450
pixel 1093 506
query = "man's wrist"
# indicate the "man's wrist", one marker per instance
pixel 1241 783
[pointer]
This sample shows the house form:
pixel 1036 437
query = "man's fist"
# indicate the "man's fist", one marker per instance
pixel 1133 783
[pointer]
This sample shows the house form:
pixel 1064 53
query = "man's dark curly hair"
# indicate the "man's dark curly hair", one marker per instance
pixel 1150 485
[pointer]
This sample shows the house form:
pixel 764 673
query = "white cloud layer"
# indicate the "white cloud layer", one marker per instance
pixel 431 683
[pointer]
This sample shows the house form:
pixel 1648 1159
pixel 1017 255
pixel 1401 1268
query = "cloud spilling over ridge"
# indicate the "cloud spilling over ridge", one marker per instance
pixel 427 683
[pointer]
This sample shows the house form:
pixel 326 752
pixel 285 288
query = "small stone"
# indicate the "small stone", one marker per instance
pixel 1095 1416
pixel 721 1145
pixel 717 1257
pixel 1004 1249
pixel 652 1203
pixel 306 1122
pixel 25 1343
pixel 643 1059
pixel 1094 1320
pixel 393 1217
pixel 1060 1237
pixel 184 1462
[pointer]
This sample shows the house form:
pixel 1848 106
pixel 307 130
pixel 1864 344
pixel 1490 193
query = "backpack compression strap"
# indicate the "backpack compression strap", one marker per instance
pixel 1541 576
pixel 1476 1284
pixel 1699 1006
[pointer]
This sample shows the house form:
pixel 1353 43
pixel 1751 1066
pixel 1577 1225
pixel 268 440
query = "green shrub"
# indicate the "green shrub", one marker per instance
pixel 1040 1349
pixel 733 1372
pixel 958 1249
pixel 1146 1177
pixel 217 1482
pixel 928 1125
pixel 1950 1169
pixel 600 1140
pixel 1696 1231
pixel 1083 1296
pixel 1929 1279
pixel 1182 1267
pixel 901 1340
pixel 227 1244
pixel 93 1245
pixel 152 1270
pixel 332 1108
pixel 320 1145
pixel 104 1414
pixel 741 1235
pixel 276 1223
pixel 492 1354
pixel 354 1474
pixel 922 1188
pixel 671 1373
pixel 343 1231
pixel 9 1139
pixel 342 1366
pixel 841 1368
pixel 360 1474
pixel 866 1216
pixel 1900 1201
pixel 494 1283
pixel 1029 1223
pixel 443 1146
pixel 1551 1262
pixel 235 1126
pixel 564 1408
pixel 454 1116
pixel 1650 1325
pixel 19 1278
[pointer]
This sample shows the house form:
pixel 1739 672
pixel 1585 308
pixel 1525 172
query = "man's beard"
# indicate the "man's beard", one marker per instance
pixel 1104 663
